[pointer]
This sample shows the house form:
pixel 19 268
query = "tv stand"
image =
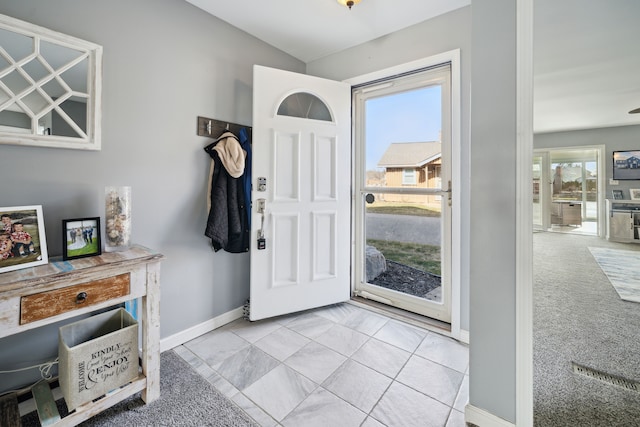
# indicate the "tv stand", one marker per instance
pixel 623 221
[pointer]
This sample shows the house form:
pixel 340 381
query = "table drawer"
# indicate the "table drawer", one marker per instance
pixel 51 303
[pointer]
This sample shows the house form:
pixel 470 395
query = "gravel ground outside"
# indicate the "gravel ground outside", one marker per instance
pixel 408 280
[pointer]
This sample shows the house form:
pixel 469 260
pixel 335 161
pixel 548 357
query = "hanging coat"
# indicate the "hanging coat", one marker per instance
pixel 227 223
pixel 245 143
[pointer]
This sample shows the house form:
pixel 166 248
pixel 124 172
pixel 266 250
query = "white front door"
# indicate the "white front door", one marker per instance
pixel 301 175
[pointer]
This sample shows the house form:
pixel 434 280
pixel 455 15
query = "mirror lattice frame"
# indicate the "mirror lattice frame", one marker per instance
pixel 88 138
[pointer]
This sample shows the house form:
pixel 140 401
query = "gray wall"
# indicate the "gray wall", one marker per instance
pixel 613 138
pixel 165 63
pixel 493 204
pixel 444 33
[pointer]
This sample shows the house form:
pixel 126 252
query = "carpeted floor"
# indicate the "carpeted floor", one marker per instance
pixel 186 399
pixel 578 317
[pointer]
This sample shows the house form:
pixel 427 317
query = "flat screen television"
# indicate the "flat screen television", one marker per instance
pixel 626 165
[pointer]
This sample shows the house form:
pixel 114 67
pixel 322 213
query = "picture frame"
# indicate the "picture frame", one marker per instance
pixel 23 242
pixel 81 238
pixel 617 194
pixel 634 193
pixel 626 165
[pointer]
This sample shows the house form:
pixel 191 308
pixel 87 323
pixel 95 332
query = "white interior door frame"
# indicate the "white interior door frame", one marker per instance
pixel 452 57
pixel 524 214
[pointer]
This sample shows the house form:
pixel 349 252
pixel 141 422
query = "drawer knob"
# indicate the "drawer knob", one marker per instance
pixel 81 297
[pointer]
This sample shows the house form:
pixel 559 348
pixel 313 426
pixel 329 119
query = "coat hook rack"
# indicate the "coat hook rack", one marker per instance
pixel 214 128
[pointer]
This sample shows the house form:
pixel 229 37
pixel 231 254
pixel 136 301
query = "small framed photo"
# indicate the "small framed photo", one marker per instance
pixel 634 193
pixel 22 239
pixel 81 238
pixel 617 194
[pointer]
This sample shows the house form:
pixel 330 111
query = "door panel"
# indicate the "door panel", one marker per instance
pixel 303 150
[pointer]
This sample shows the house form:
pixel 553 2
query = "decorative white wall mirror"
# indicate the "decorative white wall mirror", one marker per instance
pixel 50 87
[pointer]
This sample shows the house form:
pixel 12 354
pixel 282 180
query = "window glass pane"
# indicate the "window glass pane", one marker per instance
pixel 306 106
pixel 409 177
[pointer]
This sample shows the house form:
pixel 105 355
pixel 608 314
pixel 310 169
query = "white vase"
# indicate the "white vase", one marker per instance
pixel 117 224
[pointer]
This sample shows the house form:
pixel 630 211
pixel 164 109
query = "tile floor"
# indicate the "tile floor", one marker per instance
pixel 340 365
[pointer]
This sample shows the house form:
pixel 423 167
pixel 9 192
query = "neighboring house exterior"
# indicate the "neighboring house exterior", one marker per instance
pixel 628 163
pixel 412 164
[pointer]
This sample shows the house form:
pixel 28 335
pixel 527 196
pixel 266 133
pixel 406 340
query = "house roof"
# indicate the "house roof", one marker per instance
pixel 410 154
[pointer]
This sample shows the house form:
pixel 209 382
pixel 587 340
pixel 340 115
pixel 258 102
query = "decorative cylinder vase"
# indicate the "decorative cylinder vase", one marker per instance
pixel 117 205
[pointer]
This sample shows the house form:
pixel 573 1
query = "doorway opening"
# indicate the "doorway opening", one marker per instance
pixel 403 181
pixel 568 190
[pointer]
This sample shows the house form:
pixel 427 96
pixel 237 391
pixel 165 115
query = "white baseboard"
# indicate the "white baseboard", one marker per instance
pixel 464 336
pixel 195 331
pixel 482 418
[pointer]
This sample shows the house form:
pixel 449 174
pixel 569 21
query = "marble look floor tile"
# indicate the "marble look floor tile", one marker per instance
pixel 310 325
pixel 282 343
pixel 401 335
pixel 223 386
pixel 287 318
pixel 365 321
pixel 253 331
pixel 214 347
pixel 279 391
pixel 444 350
pixel 403 406
pixel 187 355
pixel 456 419
pixel 315 361
pixel 382 357
pixel 463 395
pixel 432 379
pixel 322 409
pixel 245 367
pixel 357 384
pixel 337 313
pixel 342 339
pixel 255 412
pixel 372 422
pixel 205 371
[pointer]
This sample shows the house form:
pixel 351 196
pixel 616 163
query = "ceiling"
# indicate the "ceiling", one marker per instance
pixel 586 64
pixel 586 54
pixel 312 29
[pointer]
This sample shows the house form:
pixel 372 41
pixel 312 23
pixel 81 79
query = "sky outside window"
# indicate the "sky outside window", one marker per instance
pixel 412 116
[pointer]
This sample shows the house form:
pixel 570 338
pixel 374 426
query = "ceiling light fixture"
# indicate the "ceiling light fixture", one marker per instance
pixel 348 3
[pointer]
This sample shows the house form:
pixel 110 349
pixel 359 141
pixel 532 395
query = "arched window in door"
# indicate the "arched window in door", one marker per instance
pixel 306 106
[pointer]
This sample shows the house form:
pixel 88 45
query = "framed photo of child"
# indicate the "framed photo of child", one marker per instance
pixel 81 238
pixel 22 239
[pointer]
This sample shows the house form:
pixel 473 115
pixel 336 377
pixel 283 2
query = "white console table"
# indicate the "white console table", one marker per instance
pixel 38 296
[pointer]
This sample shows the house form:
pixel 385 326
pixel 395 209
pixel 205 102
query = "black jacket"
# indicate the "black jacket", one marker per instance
pixel 227 224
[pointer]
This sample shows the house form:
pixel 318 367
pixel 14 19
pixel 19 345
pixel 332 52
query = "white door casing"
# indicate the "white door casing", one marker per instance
pixel 306 163
pixel 452 57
